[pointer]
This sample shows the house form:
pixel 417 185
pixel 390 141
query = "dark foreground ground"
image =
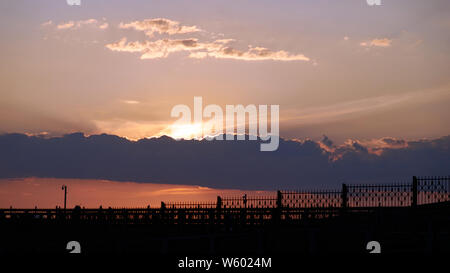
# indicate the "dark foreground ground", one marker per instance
pixel 398 230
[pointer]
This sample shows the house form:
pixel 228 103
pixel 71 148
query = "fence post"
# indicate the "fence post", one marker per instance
pixel 414 192
pixel 276 214
pixel 344 196
pixel 279 199
pixel 218 209
pixel 219 202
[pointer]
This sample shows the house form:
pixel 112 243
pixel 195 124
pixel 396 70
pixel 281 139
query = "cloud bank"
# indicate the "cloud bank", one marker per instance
pixel 222 164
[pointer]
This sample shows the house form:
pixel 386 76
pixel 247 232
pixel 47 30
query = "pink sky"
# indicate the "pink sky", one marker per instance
pixel 47 193
pixel 333 67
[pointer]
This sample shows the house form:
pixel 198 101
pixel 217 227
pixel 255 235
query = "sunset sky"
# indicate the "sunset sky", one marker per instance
pixel 339 68
pixel 31 192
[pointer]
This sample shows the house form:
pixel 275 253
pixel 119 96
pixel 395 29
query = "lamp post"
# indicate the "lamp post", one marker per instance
pixel 64 188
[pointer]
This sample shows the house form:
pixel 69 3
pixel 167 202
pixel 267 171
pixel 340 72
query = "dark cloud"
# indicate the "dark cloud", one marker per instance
pixel 393 141
pixel 220 164
pixel 326 141
pixel 358 147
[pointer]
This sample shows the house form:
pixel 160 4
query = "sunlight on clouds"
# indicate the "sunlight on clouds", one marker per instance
pixel 384 42
pixel 104 26
pixel 185 131
pixel 78 24
pixel 218 48
pixel 252 54
pixel 65 25
pixel 129 129
pixel 159 25
pixel 131 101
pixel 181 190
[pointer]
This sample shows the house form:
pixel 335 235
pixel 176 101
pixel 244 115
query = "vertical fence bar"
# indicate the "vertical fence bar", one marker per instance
pixel 414 192
pixel 344 196
pixel 219 209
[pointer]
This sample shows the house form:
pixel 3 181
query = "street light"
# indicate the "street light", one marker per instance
pixel 64 188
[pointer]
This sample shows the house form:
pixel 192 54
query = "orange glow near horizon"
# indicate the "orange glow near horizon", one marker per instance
pixel 186 131
pixel 91 193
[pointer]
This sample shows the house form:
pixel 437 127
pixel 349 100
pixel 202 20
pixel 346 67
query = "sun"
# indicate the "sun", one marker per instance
pixel 186 131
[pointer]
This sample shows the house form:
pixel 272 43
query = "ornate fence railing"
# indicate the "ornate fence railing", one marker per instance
pixel 432 189
pixel 392 195
pixel 311 199
pixel 284 206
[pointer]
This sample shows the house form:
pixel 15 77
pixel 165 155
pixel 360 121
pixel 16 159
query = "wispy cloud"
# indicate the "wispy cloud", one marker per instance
pixel 156 49
pixel 77 24
pixel 252 54
pixel 66 25
pixel 219 48
pixel 383 42
pixel 354 107
pixel 104 26
pixel 48 23
pixel 159 25
pixel 337 111
pixel 209 47
pixel 131 101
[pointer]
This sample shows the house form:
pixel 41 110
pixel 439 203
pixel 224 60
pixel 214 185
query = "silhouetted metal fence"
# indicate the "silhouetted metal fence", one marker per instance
pixel 189 205
pixel 249 202
pixel 432 189
pixel 284 206
pixel 385 195
pixel 311 199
